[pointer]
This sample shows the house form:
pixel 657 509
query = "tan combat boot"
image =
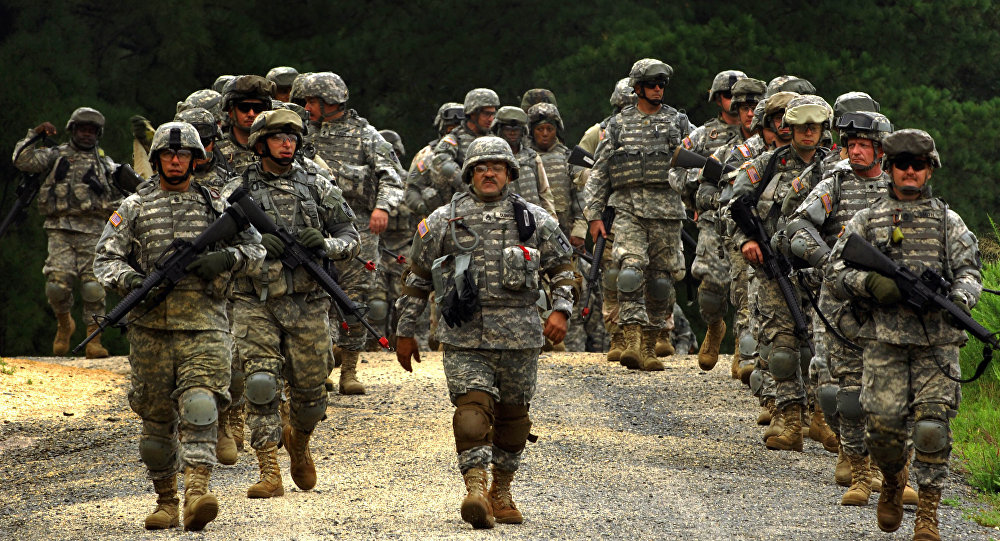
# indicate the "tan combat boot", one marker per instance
pixel 926 526
pixel 777 424
pixel 708 355
pixel 842 473
pixel 475 506
pixel 64 331
pixel 649 362
pixel 910 496
pixel 664 347
pixel 890 502
pixel 501 500
pixel 200 505
pixel 235 417
pixel 225 447
pixel 745 371
pixel 735 368
pixel 821 432
pixel 632 356
pixel 94 348
pixel 269 485
pixel 616 347
pixel 302 468
pixel 790 438
pixel 167 514
pixel 861 481
pixel 766 412
pixel 349 383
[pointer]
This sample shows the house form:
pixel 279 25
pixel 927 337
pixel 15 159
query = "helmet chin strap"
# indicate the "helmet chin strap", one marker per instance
pixel 862 167
pixel 642 95
pixel 174 181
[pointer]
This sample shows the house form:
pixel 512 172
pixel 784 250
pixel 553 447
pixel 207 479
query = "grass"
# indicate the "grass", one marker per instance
pixel 5 368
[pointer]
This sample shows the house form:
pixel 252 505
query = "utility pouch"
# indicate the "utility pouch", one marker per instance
pixel 520 268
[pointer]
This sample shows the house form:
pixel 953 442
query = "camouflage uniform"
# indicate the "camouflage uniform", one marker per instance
pixel 244 87
pixel 421 196
pixel 396 239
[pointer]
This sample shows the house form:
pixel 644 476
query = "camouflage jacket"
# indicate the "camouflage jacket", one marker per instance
pixel 446 164
pixel 238 156
pixel 566 198
pixel 421 197
pixel 533 180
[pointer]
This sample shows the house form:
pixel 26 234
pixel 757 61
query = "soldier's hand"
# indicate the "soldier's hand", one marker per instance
pixel 45 127
pixel 751 252
pixel 597 229
pixel 555 327
pixel 960 303
pixel 310 237
pixel 275 248
pixel 132 280
pixel 142 130
pixel 576 242
pixel 212 264
pixel 406 347
pixel 882 288
pixel 378 222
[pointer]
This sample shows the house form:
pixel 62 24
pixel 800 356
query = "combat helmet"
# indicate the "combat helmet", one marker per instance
pixel 913 142
pixel 623 95
pixel 649 69
pixel 221 81
pixel 789 83
pixel 395 140
pixel 176 136
pixel 724 82
pixel 758 116
pixel 746 90
pixel 297 109
pixel 86 115
pixel 545 112
pixel 489 148
pixel 807 109
pixel 276 121
pixel 282 76
pixel 295 94
pixel 327 86
pixel 477 98
pixel 247 87
pixel 203 121
pixel 206 99
pixel 508 115
pixel 537 95
pixel 864 125
pixel 854 101
pixel 450 113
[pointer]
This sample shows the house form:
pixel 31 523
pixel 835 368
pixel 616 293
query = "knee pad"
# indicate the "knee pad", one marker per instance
pixel 763 353
pixel 378 310
pixel 783 363
pixel 826 395
pixel 930 431
pixel 849 403
pixel 473 420
pixel 756 381
pixel 748 344
pixel 629 279
pixel 710 301
pixel 308 407
pixel 58 292
pixel 660 289
pixel 158 453
pixel 512 427
pixel 91 292
pixel 610 279
pixel 261 388
pixel 198 407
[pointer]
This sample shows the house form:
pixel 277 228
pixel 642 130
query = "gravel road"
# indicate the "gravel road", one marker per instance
pixel 668 455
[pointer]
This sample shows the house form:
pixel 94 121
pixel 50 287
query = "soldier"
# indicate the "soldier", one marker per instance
pixel 219 85
pixel 395 239
pixel 908 390
pixel 849 102
pixel 213 172
pixel 511 125
pixel 282 77
pixel 776 182
pixel 631 173
pixel 537 95
pixel 479 108
pixel 181 348
pixel 484 269
pixel 281 322
pixel 78 193
pixel 370 179
pixel 420 193
pixel 244 98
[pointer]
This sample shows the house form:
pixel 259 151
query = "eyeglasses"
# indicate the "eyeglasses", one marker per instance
pixel 284 137
pixel 813 127
pixel 169 154
pixel 862 121
pixel 658 83
pixel 487 113
pixel 905 162
pixel 497 168
pixel 257 107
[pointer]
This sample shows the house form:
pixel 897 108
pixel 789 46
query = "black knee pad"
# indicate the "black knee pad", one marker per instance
pixel 512 428
pixel 931 433
pixel 473 420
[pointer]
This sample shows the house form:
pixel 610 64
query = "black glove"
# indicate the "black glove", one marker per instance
pixel 132 280
pixel 142 130
pixel 960 303
pixel 275 248
pixel 212 264
pixel 883 289
pixel 310 238
pixel 458 309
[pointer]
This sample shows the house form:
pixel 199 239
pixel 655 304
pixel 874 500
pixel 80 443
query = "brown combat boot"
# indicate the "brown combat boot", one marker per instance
pixel 64 331
pixel 766 412
pixel 649 362
pixel 235 418
pixel 269 485
pixel 821 432
pixel 501 500
pixel 708 355
pixel 94 348
pixel 926 526
pixel 664 347
pixel 349 383
pixel 476 507
pixel 890 502
pixel 777 424
pixel 842 473
pixel 200 505
pixel 745 371
pixel 790 438
pixel 735 368
pixel 861 481
pixel 302 468
pixel 616 347
pixel 167 512
pixel 225 447
pixel 632 356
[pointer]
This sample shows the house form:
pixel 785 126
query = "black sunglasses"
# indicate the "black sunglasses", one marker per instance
pixel 247 106
pixel 904 162
pixel 659 83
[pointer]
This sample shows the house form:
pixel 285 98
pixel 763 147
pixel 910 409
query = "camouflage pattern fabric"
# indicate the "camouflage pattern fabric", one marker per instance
pixel 532 181
pixel 71 257
pixel 446 166
pixel 418 179
pixel 566 199
pixel 359 284
pixel 653 247
pixel 238 156
pixel 682 337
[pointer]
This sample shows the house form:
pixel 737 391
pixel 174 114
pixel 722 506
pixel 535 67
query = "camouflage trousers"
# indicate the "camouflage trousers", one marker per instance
pixel 71 258
pixel 587 334
pixel 902 387
pixel 739 296
pixel 166 368
pixel 359 284
pixel 289 338
pixel 711 267
pixel 388 288
pixel 845 368
pixel 508 375
pixel 651 248
pixel 777 340
pixel 682 336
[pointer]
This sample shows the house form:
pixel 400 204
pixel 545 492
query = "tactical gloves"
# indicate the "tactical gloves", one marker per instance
pixel 210 265
pixel 883 289
pixel 275 248
pixel 960 303
pixel 132 280
pixel 456 308
pixel 142 130
pixel 310 238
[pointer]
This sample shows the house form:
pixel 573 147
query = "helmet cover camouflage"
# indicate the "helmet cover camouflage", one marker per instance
pixel 327 86
pixel 854 101
pixel 777 104
pixel 86 115
pixel 758 116
pixel 508 115
pixel 477 98
pixel 205 99
pixel 746 90
pixel 623 95
pixel 545 112
pixel 724 82
pixel 649 69
pixel 489 148
pixel 221 81
pixel 295 94
pixel 450 113
pixel 202 120
pixel 789 83
pixel 807 109
pixel 863 125
pixel 276 121
pixel 282 76
pixel 911 141
pixel 537 95
pixel 395 140
pixel 176 136
pixel 247 87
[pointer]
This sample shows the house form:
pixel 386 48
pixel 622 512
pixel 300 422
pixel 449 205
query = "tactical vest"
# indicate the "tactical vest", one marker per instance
pixel 558 172
pixel 215 177
pixel 788 181
pixel 460 138
pixel 709 136
pixel 78 184
pixel 645 146
pixel 164 216
pixel 921 224
pixel 341 144
pixel 526 184
pixel 850 194
pixel 238 156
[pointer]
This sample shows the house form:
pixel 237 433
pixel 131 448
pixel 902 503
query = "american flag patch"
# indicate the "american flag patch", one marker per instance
pixel 827 203
pixel 422 228
pixel 687 143
pixel 451 141
pixel 797 184
pixel 115 218
pixel 745 151
pixel 421 166
pixel 753 174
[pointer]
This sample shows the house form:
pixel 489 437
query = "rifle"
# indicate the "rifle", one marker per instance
pixel 296 255
pixel 581 157
pixel 400 258
pixel 608 217
pixel 922 293
pixel 776 265
pixel 26 190
pixel 171 267
pixel 712 169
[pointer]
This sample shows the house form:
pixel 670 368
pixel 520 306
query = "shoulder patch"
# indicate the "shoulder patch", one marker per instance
pixel 753 174
pixel 347 209
pixel 451 140
pixel 214 192
pixel 745 151
pixel 422 228
pixel 421 166
pixel 827 202
pixel 115 219
pixel 687 143
pixel 797 184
